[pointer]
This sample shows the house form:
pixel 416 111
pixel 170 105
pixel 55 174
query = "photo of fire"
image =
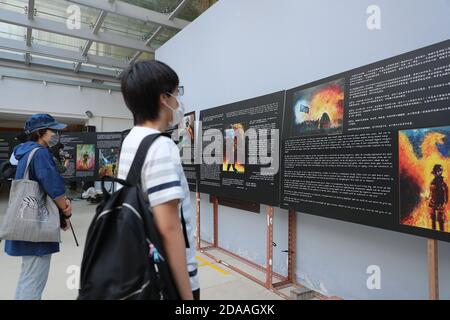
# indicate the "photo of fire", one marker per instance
pixel 108 162
pixel 85 157
pixel 234 135
pixel 319 110
pixel 424 175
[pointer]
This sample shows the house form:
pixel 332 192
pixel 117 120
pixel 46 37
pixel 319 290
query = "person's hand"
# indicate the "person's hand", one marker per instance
pixel 68 210
pixel 67 225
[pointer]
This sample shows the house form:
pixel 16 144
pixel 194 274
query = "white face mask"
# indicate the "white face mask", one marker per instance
pixel 177 114
pixel 54 140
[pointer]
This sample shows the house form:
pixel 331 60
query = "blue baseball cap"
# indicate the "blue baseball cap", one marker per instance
pixel 42 121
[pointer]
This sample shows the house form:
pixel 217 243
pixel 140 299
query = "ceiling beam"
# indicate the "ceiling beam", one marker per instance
pixel 95 30
pixel 72 56
pixel 134 12
pixel 29 75
pixel 178 9
pixel 39 23
pixel 30 10
pixel 52 66
pixel 30 15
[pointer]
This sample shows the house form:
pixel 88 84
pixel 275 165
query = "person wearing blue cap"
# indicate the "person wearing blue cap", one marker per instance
pixel 43 133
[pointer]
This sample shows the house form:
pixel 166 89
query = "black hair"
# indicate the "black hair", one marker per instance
pixel 143 83
pixel 37 134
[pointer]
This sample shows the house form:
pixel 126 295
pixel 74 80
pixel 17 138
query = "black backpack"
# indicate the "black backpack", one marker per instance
pixel 123 257
pixel 7 171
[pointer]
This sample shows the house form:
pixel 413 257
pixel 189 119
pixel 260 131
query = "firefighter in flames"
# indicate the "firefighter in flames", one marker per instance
pixel 438 198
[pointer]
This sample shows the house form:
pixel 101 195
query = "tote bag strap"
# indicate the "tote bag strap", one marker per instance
pixel 27 168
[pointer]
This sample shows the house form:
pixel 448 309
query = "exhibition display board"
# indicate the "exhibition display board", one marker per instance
pixel 371 145
pixel 236 174
pixel 92 155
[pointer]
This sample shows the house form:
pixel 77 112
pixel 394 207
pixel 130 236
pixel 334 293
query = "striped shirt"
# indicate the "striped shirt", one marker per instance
pixel 163 178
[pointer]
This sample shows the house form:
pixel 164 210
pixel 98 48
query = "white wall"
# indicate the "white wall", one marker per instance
pixel 242 49
pixel 18 96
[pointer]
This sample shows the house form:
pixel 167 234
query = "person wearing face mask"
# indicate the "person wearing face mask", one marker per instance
pixel 42 131
pixel 151 92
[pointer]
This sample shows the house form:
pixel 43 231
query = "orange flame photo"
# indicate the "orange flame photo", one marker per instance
pixel 424 169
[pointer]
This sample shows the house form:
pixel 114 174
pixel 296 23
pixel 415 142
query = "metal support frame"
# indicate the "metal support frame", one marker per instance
pixel 30 21
pixel 433 270
pixel 198 242
pixel 43 24
pixel 134 12
pixel 36 49
pixel 289 281
pixel 269 255
pixel 30 16
pixel 87 46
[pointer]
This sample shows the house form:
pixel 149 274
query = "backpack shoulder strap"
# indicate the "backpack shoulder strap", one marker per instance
pixel 134 175
pixel 183 224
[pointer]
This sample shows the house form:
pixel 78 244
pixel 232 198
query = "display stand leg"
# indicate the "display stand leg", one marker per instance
pixel 292 246
pixel 216 222
pixel 433 270
pixel 269 259
pixel 198 221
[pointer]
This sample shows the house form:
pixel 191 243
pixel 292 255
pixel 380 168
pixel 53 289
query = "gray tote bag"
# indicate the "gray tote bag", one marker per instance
pixel 31 215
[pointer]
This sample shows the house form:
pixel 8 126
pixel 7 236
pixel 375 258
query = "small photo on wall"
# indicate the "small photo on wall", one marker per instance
pixel 186 129
pixel 108 162
pixel 234 135
pixel 424 177
pixel 319 110
pixel 85 157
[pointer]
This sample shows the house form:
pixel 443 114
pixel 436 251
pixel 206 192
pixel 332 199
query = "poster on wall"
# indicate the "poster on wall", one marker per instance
pixel 184 136
pixel 240 141
pixel 108 151
pixel 371 145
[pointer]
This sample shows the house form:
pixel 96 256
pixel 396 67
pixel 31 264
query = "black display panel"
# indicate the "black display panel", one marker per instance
pixel 372 145
pixel 240 177
pixel 184 136
pixel 81 149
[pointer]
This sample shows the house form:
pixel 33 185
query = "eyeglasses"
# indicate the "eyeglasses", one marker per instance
pixel 179 91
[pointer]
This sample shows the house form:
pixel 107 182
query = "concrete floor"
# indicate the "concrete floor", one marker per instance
pixel 217 282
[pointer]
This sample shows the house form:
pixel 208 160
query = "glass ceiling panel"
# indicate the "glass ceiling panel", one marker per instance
pixel 106 50
pixel 12 32
pixel 163 36
pixel 194 8
pixel 56 10
pixel 57 40
pixel 14 5
pixel 127 27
